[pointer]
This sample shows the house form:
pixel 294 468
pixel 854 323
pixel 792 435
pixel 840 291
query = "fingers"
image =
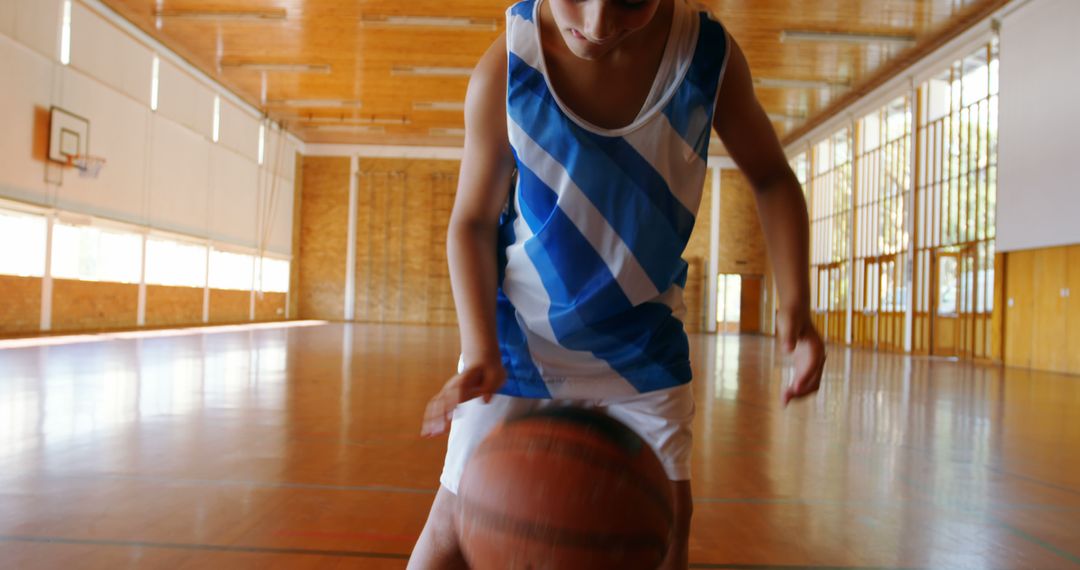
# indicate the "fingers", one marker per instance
pixel 809 367
pixel 471 383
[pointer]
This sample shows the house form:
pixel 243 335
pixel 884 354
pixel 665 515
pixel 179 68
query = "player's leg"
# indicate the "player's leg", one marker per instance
pixel 664 420
pixel 438 546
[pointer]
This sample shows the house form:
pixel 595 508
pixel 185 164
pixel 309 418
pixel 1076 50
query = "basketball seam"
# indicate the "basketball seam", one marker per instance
pixel 561 536
pixel 585 455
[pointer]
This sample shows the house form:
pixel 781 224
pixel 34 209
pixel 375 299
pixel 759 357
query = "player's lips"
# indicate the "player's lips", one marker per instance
pixel 583 37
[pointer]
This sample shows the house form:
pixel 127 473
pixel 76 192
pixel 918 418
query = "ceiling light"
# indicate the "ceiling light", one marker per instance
pixel 438 106
pixel 350 120
pixel 783 117
pixel 778 83
pixel 441 132
pixel 351 129
pixel 428 71
pixel 845 37
pixel 278 67
pixel 431 22
pixel 218 15
pixel 315 103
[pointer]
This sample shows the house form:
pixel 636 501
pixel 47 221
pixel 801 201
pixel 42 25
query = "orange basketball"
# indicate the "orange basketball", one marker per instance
pixel 564 488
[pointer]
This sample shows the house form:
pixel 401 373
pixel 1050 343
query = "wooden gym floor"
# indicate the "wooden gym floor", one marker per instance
pixel 298 448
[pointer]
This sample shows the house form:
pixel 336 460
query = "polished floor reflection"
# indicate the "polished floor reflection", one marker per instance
pixel 299 448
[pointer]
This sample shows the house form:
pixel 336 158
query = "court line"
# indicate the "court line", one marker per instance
pixel 929 504
pixel 1037 541
pixel 354 553
pixel 1034 481
pixel 202 547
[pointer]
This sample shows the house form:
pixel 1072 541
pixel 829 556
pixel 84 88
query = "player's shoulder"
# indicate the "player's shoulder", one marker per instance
pixel 489 75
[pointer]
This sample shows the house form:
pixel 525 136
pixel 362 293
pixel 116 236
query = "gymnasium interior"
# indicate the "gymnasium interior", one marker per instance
pixel 225 300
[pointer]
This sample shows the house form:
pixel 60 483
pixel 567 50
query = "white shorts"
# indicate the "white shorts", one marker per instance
pixel 662 418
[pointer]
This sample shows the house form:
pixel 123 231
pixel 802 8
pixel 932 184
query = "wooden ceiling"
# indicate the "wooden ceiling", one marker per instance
pixel 354 84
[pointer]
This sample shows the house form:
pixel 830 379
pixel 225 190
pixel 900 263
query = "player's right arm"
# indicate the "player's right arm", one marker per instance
pixel 483 187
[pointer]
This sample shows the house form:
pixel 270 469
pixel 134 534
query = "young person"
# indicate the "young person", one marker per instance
pixel 568 286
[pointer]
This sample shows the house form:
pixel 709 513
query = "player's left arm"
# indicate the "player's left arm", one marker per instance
pixel 751 141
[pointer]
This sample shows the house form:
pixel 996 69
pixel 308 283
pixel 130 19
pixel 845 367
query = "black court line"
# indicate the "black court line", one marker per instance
pixel 358 554
pixel 1038 541
pixel 203 547
pixel 1034 481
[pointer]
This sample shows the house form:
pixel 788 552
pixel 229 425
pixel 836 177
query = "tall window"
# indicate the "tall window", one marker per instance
pixel 956 197
pixel 831 203
pixel 883 159
pixel 729 302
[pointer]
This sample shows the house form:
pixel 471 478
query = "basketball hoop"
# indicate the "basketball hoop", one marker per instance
pixel 89 166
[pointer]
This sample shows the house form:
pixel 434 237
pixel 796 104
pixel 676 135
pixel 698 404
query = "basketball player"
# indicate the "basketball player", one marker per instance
pixel 568 287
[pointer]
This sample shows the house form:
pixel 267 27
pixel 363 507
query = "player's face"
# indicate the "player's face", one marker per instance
pixel 592 28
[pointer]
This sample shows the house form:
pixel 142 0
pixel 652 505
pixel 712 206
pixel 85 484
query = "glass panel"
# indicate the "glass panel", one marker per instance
pixel 175 263
pixel 29 232
pixel 231 270
pixel 947 302
pixel 89 253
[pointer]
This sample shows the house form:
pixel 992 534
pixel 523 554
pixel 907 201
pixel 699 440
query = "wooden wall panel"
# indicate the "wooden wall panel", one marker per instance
pixel 230 306
pixel 1019 307
pixel 169 306
pixel 742 243
pixel 997 317
pixel 269 307
pixel 401 269
pixel 93 306
pixel 323 237
pixel 1049 326
pixel 1073 315
pixel 20 304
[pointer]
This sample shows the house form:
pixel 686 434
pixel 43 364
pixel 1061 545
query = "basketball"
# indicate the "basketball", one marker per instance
pixel 564 488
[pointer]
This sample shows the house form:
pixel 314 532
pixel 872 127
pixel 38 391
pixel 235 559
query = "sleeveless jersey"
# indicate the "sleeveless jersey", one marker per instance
pixel 590 244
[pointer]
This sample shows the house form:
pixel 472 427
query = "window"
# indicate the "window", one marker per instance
pixel 175 264
pixel 217 118
pixel 274 276
pixel 90 253
pixel 231 270
pixel 65 34
pixel 155 83
pixel 29 231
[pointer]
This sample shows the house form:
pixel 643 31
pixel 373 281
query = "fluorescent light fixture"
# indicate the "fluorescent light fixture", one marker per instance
pixel 431 71
pixel 783 117
pixel 352 103
pixel 155 73
pixel 217 118
pixel 65 34
pixel 262 143
pixel 441 132
pixel 350 120
pixel 277 67
pixel 779 83
pixel 350 129
pixel 438 106
pixel 846 37
pixel 222 15
pixel 431 22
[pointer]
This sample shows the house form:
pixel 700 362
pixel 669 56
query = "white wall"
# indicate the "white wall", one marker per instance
pixel 163 169
pixel 1039 155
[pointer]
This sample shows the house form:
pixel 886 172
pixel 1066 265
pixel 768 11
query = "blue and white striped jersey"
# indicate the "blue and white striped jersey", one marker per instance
pixel 590 246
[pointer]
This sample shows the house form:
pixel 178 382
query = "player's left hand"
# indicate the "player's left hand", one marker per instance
pixel 481 380
pixel 800 338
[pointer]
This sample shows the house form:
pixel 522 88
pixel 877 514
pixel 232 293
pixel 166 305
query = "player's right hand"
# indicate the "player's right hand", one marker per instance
pixel 480 380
